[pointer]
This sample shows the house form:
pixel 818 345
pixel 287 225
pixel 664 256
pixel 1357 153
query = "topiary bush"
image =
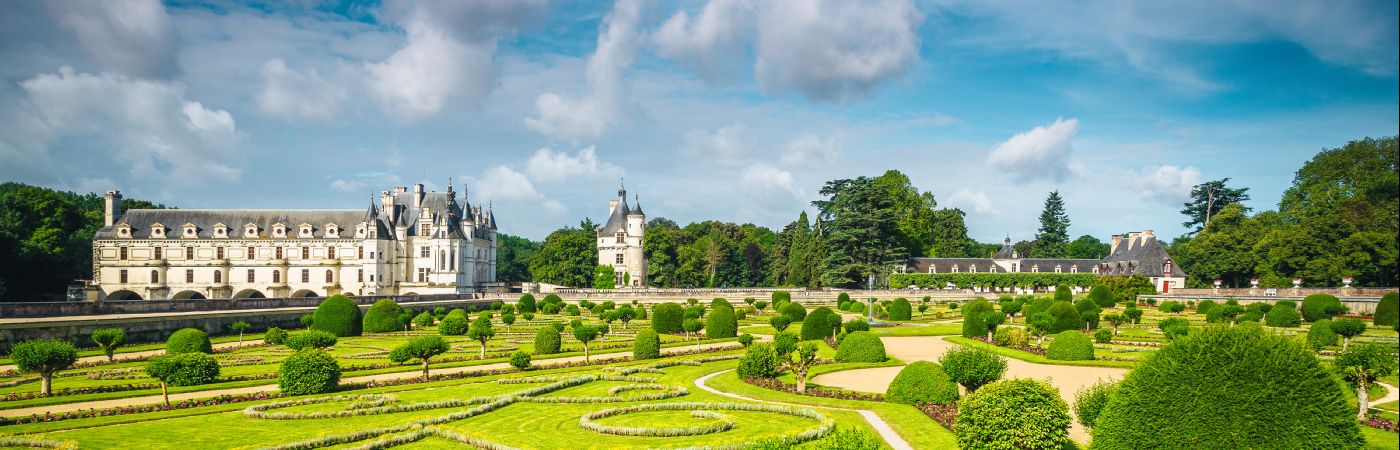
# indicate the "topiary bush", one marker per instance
pixel 1066 317
pixel 794 312
pixel 1088 312
pixel 340 316
pixel 759 361
pixel 1070 346
pixel 423 319
pixel 520 359
pixel 647 345
pixel 274 336
pixel 1388 311
pixel 1062 294
pixel 1090 401
pixel 721 323
pixel 972 367
pixel 526 303
pixel 857 324
pixel 1019 413
pixel 1283 315
pixel 821 323
pixel 1036 306
pixel 1203 308
pixel 547 341
pixel 1102 296
pixel 1174 327
pixel 188 340
pixel 1183 395
pixel 382 317
pixel 1320 334
pixel 186 369
pixel 861 346
pixel 309 339
pixel 45 357
pixel 922 382
pixel 1320 306
pixel 1011 337
pixel 309 371
pixel 975 318
pixel 900 309
pixel 667 318
pixel 785 296
pixel 454 325
pixel 746 339
pixel 1103 335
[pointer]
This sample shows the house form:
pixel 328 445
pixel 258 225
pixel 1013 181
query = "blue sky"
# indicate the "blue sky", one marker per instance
pixel 736 110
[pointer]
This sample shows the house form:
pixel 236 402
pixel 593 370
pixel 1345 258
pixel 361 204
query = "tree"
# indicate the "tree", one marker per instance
pixel 421 348
pixel 568 256
pixel 1040 324
pixel 183 369
pixel 1361 366
pixel 1088 247
pixel 240 327
pixel 585 334
pixel 1348 328
pixel 625 314
pixel 1209 198
pixel 603 277
pixel 1052 240
pixel 861 235
pixel 779 323
pixel 1115 319
pixel 108 339
pixel 972 367
pixel 508 319
pixel 44 357
pixel 481 331
pixel 800 362
pixel 513 254
pixel 693 327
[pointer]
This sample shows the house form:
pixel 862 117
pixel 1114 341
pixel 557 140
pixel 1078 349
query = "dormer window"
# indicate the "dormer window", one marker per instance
pixel 1167 268
pixel 972 269
pixel 220 230
pixel 1096 270
pixel 1035 269
pixel 332 230
pixel 124 231
pixel 621 237
pixel 425 230
pixel 250 231
pixel 157 230
pixel 190 230
pixel 1073 269
pixel 279 230
pixel 304 230
pixel 1057 269
pixel 955 268
pixel 360 230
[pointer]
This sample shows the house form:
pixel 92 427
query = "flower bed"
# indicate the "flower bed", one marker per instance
pixel 1381 423
pixel 945 415
pixel 778 385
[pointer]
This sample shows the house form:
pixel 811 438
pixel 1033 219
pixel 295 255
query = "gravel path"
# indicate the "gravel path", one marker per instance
pixel 152 399
pixel 1068 379
pixel 893 439
pixel 1391 394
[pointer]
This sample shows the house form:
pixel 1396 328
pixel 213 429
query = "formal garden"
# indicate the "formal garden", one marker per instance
pixel 730 373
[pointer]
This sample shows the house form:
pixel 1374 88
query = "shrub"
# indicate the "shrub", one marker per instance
pixel 108 339
pixel 1320 334
pixel 423 319
pixel 1133 314
pixel 721 324
pixel 340 316
pixel 1102 296
pixel 1070 346
pixel 1224 313
pixel 1066 317
pixel 184 369
pixel 382 317
pixel 44 357
pixel 746 339
pixel 972 367
pixel 1320 306
pixel 1167 306
pixel 188 340
pixel 573 310
pixel 310 371
pixel 1062 294
pixel 821 323
pixel 759 361
pixel 1036 306
pixel 550 308
pixel 526 303
pixel 975 316
pixel 1103 336
pixel 1174 327
pixel 553 298
pixel 794 312
pixel 1090 401
pixel 1283 316
pixel 547 341
pixel 785 296
pixel 275 336
pixel 306 320
pixel 1088 312
pixel 309 339
pixel 779 323
pixel 922 382
pixel 900 309
pixel 481 331
pixel 843 298
pixel 1011 337
pixel 861 346
pixel 667 318
pixel 453 325
pixel 1181 395
pixel 520 359
pixel 647 345
pixel 1388 310
pixel 1019 413
pixel 421 348
pixel 1203 308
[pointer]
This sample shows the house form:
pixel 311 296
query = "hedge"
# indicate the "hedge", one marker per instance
pixel 922 382
pixel 721 323
pixel 759 361
pixel 647 345
pixel 1179 396
pixel 1282 315
pixel 338 315
pixel 1320 334
pixel 1070 346
pixel 1066 317
pixel 1320 306
pixel 188 340
pixel 308 372
pixel 861 346
pixel 547 341
pixel 1019 413
pixel 794 312
pixel 900 309
pixel 1388 310
pixel 383 317
pixel 821 323
pixel 1000 280
pixel 667 317
pixel 857 324
pixel 309 339
pixel 1102 296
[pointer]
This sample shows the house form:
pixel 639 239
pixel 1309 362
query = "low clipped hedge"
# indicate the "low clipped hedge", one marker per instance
pixel 821 323
pixel 188 340
pixel 667 318
pixel 1388 310
pixel 857 324
pixel 547 341
pixel 922 382
pixel 647 345
pixel 1070 346
pixel 1020 413
pixel 1183 395
pixel 310 339
pixel 338 315
pixel 721 323
pixel 308 372
pixel 861 346
pixel 383 317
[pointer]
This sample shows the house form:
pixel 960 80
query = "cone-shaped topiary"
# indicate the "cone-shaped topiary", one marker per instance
pixel 1182 395
pixel 383 317
pixel 1388 310
pixel 188 340
pixel 861 346
pixel 338 315
pixel 547 341
pixel 1070 345
pixel 667 318
pixel 922 382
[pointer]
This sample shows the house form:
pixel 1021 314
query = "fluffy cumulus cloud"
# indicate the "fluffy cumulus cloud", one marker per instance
pixel 550 166
pixel 811 150
pixel 147 127
pixel 1168 184
pixel 134 37
pixel 770 184
pixel 713 41
pixel 504 184
pixel 729 145
pixel 1039 154
pixel 590 115
pixel 971 201
pixel 291 94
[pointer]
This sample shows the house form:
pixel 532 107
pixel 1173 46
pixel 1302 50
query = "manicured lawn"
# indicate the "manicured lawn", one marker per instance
pixel 1034 358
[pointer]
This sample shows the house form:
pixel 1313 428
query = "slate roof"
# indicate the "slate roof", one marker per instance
pixel 945 265
pixel 1048 264
pixel 204 220
pixel 1144 254
pixel 617 221
pixel 1007 251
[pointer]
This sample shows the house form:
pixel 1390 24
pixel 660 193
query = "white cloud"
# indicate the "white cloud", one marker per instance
pixel 548 165
pixel 148 127
pixel 811 151
pixel 712 42
pixel 1168 184
pixel 349 185
pixel 291 94
pixel 134 37
pixel 504 184
pixel 770 184
pixel 835 50
pixel 973 201
pixel 1041 153
pixel 588 117
pixel 730 145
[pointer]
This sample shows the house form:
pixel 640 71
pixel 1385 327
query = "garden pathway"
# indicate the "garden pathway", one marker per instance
pixel 1391 394
pixel 893 439
pixel 119 357
pixel 153 399
pixel 1068 379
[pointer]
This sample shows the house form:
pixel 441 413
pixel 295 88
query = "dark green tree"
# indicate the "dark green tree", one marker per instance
pixel 861 235
pixel 568 256
pixel 1209 198
pixel 1052 240
pixel 1088 247
pixel 513 255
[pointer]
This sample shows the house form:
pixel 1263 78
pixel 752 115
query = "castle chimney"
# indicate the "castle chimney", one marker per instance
pixel 612 205
pixel 1146 234
pixel 1115 240
pixel 418 195
pixel 112 204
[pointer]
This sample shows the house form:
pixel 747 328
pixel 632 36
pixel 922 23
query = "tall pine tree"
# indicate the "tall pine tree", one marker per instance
pixel 1052 241
pixel 1207 199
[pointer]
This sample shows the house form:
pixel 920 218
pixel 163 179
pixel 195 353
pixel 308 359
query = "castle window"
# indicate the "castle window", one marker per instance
pixel 279 253
pixel 329 276
pixel 155 277
pixel 158 252
pixel 621 237
pixel 306 231
pixel 619 258
pixel 250 275
pixel 330 252
pixel 220 230
pixel 218 253
pixel 425 230
pixel 218 276
pixel 251 231
pixel 305 275
pixel 122 253
pixel 932 268
pixel 332 231
pixel 279 230
pixel 124 231
pixel 452 262
pixel 422 275
pixel 442 260
pixel 252 254
pixel 360 253
pixel 305 252
pixel 189 253
pixel 276 276
pixel 360 275
pixel 1167 268
pixel 189 275
pixel 157 231
pixel 189 231
pixel 1096 270
pixel 424 252
pixel 121 275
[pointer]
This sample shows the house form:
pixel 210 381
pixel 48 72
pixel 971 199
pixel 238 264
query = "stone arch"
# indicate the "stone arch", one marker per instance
pixel 305 293
pixel 124 295
pixel 188 295
pixel 249 293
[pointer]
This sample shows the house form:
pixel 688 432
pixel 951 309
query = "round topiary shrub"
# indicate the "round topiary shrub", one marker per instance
pixel 340 316
pixel 526 303
pixel 900 309
pixel 782 296
pixel 744 339
pixel 721 323
pixel 547 341
pixel 759 361
pixel 1103 336
pixel 1320 306
pixel 188 369
pixel 1182 395
pixel 1088 312
pixel 667 317
pixel 1070 346
pixel 1066 317
pixel 975 318
pixel 1102 296
pixel 188 340
pixel 274 336
pixel 454 325
pixel 647 345
pixel 309 371
pixel 383 317
pixel 1283 315
pixel 972 367
pixel 857 324
pixel 861 346
pixel 1019 413
pixel 794 312
pixel 520 359
pixel 1388 310
pixel 423 319
pixel 1320 334
pixel 922 382
pixel 1203 308
pixel 821 323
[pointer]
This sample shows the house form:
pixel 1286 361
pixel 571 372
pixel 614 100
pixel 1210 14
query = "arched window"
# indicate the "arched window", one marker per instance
pixel 276 276
pixel 155 277
pixel 218 276
pixel 1167 268
pixel 329 276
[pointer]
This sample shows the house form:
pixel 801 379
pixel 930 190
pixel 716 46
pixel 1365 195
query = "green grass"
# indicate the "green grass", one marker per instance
pixel 938 329
pixel 1379 439
pixel 1034 358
